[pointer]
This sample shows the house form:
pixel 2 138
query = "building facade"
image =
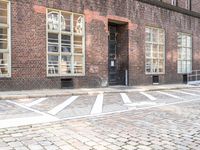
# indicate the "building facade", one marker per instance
pixel 97 43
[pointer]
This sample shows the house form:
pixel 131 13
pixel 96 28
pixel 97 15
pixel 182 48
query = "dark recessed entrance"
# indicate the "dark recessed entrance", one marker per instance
pixel 118 54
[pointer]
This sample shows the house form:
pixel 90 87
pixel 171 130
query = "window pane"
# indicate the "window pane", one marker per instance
pixel 78 64
pixel 3 38
pixel 189 54
pixel 66 22
pixel 53 45
pixel 148 35
pixel 155 36
pixel 179 40
pixel 184 40
pixel 189 66
pixel 66 43
pixel 78 44
pixel 53 63
pixel 148 65
pixel 161 37
pixel 78 24
pixel 53 20
pixel 189 41
pixel 3 63
pixel 3 12
pixel 66 64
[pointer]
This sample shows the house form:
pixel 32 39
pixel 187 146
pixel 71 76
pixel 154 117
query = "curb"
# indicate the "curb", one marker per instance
pixel 22 96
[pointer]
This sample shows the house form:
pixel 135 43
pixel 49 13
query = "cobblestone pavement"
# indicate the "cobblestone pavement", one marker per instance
pixel 164 127
pixel 39 110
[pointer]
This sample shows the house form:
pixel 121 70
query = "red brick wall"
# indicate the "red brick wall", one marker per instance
pixel 29 41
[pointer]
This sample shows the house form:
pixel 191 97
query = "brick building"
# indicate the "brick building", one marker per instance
pixel 96 43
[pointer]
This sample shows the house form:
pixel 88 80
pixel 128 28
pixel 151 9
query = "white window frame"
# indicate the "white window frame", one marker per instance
pixel 186 59
pixel 72 34
pixel 188 4
pixel 151 53
pixel 174 2
pixel 8 26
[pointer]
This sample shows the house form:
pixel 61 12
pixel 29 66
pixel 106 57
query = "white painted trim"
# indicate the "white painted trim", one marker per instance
pixel 125 98
pixel 63 105
pixel 148 96
pixel 98 105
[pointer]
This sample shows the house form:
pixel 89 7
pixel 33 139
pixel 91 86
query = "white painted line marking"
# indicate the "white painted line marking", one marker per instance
pixel 63 105
pixel 193 90
pixel 36 102
pixel 31 109
pixel 25 121
pixel 170 95
pixel 192 94
pixel 125 98
pixel 141 104
pixel 131 109
pixel 98 105
pixel 148 96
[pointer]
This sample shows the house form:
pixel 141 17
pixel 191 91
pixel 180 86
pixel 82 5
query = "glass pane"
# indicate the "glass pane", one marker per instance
pixel 53 63
pixel 3 63
pixel 155 35
pixel 66 22
pixel 189 41
pixel 148 35
pixel 161 66
pixel 155 65
pixel 189 66
pixel 78 64
pixel 161 37
pixel 161 49
pixel 78 44
pixel 184 67
pixel 179 67
pixel 53 45
pixel 184 40
pixel 148 65
pixel 78 24
pixel 155 48
pixel 66 65
pixel 3 12
pixel 66 43
pixel 179 54
pixel 3 38
pixel 184 53
pixel 189 54
pixel 179 40
pixel 53 20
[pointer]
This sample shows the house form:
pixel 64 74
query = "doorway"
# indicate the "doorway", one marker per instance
pixel 118 54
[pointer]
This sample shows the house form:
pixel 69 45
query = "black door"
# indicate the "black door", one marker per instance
pixel 112 56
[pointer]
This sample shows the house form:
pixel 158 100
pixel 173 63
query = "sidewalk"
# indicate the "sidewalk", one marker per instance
pixel 66 92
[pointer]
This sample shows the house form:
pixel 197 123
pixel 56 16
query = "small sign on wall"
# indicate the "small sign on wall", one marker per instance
pixel 112 63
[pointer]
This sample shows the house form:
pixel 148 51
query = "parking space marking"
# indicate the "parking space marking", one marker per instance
pixel 170 95
pixel 148 96
pixel 192 90
pixel 192 94
pixel 63 105
pixel 31 109
pixel 98 105
pixel 125 98
pixel 36 102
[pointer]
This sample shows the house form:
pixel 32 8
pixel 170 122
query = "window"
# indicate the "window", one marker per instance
pixel 184 53
pixel 4 39
pixel 66 43
pixel 174 2
pixel 188 4
pixel 155 51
